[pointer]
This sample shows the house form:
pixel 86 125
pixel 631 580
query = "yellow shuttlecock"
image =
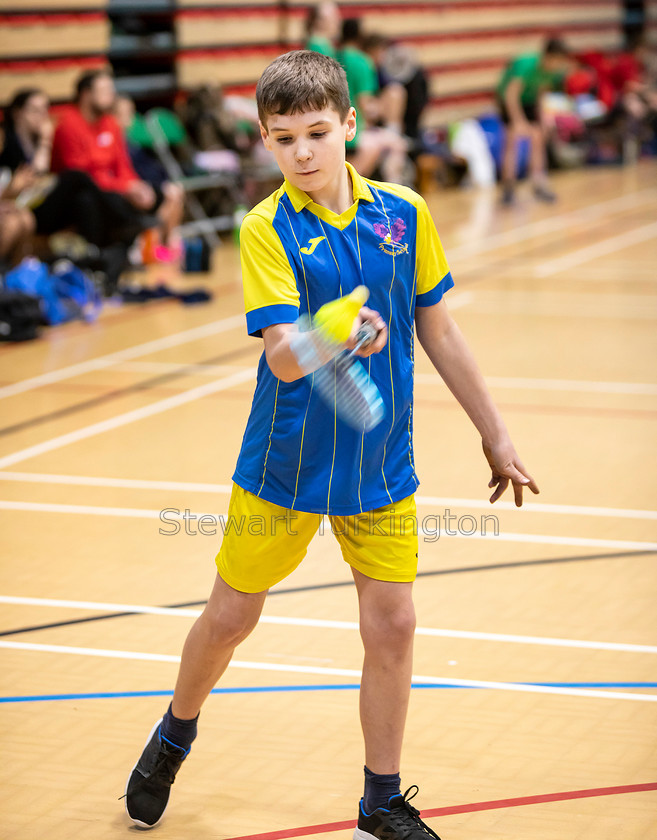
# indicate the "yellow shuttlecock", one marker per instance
pixel 335 319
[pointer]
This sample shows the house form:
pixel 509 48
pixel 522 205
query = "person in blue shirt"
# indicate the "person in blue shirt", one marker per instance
pixel 326 231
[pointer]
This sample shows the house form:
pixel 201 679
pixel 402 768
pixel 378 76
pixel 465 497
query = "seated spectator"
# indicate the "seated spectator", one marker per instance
pixel 373 146
pixel 27 131
pixel 634 84
pixel 16 229
pixel 384 105
pixel 519 93
pixel 71 200
pixel 626 83
pixel 212 125
pixel 396 65
pixel 89 139
pixel 170 196
pixel 323 28
pixel 145 164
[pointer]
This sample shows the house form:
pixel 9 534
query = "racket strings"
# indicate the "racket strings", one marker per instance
pixel 346 387
pixel 340 379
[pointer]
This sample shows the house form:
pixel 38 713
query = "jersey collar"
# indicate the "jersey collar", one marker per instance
pixel 300 199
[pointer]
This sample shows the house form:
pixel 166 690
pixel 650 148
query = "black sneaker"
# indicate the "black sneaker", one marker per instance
pixel 543 193
pixel 149 784
pixel 508 196
pixel 399 821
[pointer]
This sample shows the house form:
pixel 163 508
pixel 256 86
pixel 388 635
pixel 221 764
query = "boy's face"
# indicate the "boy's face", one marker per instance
pixel 309 147
pixel 101 95
pixel 556 63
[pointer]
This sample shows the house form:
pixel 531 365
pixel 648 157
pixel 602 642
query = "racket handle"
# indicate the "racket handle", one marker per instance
pixel 366 334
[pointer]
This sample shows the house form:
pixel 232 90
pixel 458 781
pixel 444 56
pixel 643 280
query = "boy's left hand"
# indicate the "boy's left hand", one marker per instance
pixel 506 466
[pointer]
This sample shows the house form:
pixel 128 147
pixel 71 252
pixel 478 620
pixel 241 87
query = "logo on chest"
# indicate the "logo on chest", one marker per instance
pixel 312 244
pixel 392 236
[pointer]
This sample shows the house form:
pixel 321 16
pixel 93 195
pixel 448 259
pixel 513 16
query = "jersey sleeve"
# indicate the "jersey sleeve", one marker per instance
pixel 370 81
pixel 433 275
pixel 270 287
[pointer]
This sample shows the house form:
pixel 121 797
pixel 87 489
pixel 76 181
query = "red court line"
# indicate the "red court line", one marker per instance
pixel 305 831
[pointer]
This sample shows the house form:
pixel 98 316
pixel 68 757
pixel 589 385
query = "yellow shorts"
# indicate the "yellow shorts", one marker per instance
pixel 263 542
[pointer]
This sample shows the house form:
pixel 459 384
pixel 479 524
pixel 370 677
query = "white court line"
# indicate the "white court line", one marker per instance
pixel 173 367
pixel 444 501
pixel 102 606
pixel 566 305
pixel 552 224
pixel 131 483
pixel 432 536
pixel 469 634
pixel 510 382
pixel 89 510
pixel 213 328
pixel 128 417
pixel 537 507
pixel 523 383
pixel 334 672
pixel 598 249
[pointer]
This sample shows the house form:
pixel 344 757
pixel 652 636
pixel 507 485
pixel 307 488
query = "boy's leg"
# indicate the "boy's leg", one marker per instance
pixel 509 164
pixel 171 210
pixel 252 563
pixel 366 157
pixel 381 547
pixel 393 100
pixel 227 620
pixel 380 146
pixel 538 164
pixel 387 627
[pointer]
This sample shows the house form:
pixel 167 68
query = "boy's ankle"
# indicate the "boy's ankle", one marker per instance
pixel 179 731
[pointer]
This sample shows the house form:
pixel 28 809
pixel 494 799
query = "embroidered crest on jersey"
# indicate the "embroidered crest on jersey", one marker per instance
pixel 391 237
pixel 312 244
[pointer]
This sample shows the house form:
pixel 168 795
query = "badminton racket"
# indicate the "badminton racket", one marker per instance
pixel 337 374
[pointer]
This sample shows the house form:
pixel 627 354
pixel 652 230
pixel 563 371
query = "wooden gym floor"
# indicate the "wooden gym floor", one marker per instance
pixel 535 709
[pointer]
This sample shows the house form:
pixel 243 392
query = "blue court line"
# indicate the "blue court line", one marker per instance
pixel 269 689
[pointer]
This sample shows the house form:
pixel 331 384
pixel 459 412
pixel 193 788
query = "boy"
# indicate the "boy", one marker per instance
pixel 324 232
pixel 519 93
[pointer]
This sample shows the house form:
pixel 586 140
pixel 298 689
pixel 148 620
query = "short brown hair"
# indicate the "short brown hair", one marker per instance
pixel 300 81
pixel 88 79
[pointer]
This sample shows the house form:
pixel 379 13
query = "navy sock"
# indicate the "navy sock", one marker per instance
pixel 179 732
pixel 379 787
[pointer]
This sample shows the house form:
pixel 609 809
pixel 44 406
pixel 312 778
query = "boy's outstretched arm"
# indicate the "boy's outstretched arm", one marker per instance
pixel 444 344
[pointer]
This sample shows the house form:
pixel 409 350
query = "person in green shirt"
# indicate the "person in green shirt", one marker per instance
pixel 323 28
pixel 379 115
pixel 519 94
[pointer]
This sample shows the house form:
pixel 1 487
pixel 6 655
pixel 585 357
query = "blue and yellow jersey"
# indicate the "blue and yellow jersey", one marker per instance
pixel 296 256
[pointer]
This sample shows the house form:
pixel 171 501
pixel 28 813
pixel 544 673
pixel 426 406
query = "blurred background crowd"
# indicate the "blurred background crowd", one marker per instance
pixel 109 166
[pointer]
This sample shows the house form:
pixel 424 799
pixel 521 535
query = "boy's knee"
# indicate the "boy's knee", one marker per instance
pixel 173 192
pixel 229 627
pixel 27 222
pixel 389 628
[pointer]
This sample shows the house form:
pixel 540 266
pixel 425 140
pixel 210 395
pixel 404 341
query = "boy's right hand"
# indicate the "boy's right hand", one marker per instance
pixel 371 316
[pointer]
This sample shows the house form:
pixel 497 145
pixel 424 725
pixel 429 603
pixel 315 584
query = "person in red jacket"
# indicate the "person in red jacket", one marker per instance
pixel 89 139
